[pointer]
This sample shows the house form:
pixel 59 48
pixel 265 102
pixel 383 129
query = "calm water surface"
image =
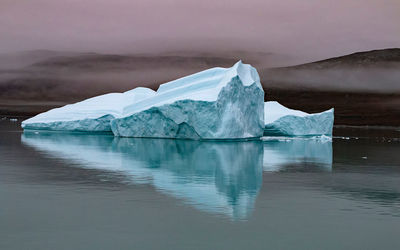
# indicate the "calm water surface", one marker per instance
pixel 77 191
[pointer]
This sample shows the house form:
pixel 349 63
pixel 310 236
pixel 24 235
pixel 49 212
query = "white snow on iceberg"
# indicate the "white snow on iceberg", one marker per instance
pixel 218 103
pixel 93 114
pixel 282 121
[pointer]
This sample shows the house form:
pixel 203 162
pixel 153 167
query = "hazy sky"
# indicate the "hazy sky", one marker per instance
pixel 305 28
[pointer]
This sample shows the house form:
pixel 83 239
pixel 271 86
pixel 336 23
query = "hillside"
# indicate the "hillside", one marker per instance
pixel 17 60
pixel 69 78
pixel 373 58
pixel 363 87
pixel 371 71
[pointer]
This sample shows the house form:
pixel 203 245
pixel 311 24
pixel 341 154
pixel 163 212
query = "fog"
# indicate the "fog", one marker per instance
pixel 75 77
pixel 367 80
pixel 310 30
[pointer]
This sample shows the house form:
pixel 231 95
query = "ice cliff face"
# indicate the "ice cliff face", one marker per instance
pixel 280 120
pixel 219 103
pixel 91 115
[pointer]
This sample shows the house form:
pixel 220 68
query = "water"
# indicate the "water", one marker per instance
pixel 77 191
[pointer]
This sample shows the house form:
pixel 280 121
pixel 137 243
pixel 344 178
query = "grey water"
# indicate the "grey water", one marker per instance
pixel 91 191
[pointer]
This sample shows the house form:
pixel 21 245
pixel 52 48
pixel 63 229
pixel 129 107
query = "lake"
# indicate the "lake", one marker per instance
pixel 94 191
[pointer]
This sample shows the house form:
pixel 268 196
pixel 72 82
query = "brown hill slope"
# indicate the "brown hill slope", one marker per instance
pixel 363 87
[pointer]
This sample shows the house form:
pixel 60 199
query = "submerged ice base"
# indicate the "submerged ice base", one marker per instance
pixel 282 121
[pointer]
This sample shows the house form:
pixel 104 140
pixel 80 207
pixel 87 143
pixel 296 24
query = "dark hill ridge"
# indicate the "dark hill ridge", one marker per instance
pixel 372 72
pixel 373 58
pixel 364 87
pixel 18 60
pixel 73 77
pixel 69 77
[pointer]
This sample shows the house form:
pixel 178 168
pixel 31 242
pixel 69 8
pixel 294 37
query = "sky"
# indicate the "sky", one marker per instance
pixel 312 29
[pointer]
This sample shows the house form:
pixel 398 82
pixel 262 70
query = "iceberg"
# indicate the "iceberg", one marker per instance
pixel 91 115
pixel 282 121
pixel 218 103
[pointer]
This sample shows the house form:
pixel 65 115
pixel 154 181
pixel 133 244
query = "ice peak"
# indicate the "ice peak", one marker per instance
pixel 247 74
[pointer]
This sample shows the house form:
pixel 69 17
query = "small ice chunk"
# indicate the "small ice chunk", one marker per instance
pixel 282 121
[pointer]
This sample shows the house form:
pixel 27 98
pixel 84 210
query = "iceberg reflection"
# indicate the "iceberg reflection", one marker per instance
pixel 297 154
pixel 217 177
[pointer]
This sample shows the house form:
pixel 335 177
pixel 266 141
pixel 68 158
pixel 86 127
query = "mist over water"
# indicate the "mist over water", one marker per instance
pixel 369 79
